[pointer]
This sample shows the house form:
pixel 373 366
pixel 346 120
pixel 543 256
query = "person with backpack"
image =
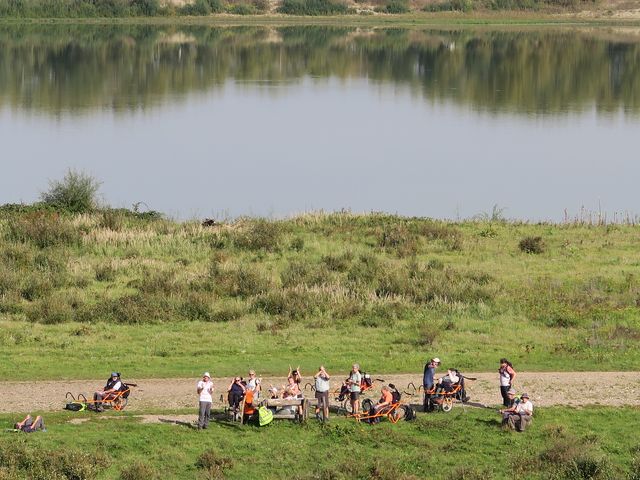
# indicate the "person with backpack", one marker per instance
pixel 113 385
pixel 428 381
pixel 322 393
pixel 507 375
pixel 205 391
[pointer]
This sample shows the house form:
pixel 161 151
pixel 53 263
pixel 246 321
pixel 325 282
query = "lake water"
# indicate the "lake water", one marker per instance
pixel 210 121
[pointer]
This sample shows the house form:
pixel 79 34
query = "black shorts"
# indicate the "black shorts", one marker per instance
pixel 354 396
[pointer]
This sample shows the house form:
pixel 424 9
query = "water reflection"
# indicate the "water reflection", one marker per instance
pixel 77 69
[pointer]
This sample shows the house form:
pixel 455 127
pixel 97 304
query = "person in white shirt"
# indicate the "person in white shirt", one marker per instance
pixel 254 384
pixel 204 389
pixel 519 416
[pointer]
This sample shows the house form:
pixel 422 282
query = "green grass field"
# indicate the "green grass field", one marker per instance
pixel 585 443
pixel 158 298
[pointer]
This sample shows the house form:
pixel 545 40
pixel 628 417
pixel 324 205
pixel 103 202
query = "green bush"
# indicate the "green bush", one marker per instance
pixel 241 9
pixel 395 7
pixel 533 245
pixel 313 7
pixel 197 8
pixel 43 229
pixel 139 471
pixel 259 235
pixel 76 192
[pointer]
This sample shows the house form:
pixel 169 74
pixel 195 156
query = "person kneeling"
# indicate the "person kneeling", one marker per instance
pixel 519 416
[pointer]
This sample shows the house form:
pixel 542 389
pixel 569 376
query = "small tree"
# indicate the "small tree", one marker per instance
pixel 76 192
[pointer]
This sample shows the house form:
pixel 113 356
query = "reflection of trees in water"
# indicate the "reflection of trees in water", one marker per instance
pixel 77 68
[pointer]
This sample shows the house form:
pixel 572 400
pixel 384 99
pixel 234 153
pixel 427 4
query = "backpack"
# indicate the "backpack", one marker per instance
pixel 366 381
pixel 395 394
pixel 124 388
pixel 409 413
pixel 75 406
pixel 265 416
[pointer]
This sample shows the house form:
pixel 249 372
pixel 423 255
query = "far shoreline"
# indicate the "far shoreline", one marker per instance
pixel 417 19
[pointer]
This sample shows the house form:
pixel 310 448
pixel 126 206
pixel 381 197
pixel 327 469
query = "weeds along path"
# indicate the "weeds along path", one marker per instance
pixel 545 388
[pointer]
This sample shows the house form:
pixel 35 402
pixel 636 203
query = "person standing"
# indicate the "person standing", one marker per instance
pixel 507 376
pixel 322 393
pixel 205 390
pixel 354 388
pixel 254 384
pixel 428 381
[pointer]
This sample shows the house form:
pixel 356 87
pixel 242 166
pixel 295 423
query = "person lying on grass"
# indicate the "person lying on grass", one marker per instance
pixel 29 425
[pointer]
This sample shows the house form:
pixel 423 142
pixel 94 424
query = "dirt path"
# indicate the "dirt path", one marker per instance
pixel 548 388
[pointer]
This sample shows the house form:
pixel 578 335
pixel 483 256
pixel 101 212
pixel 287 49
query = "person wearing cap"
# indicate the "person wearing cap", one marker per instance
pixel 518 417
pixel 428 380
pixel 113 385
pixel 205 390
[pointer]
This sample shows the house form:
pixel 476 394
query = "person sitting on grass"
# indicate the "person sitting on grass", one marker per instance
pixel 519 416
pixel 29 425
pixel 113 385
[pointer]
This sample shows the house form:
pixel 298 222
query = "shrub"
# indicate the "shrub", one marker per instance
pixel 299 273
pixel 338 262
pixel 105 272
pixel 238 280
pixel 259 235
pixel 139 471
pixel 312 7
pixel 263 6
pixel 43 229
pixel 76 192
pixel 395 7
pixel 197 8
pixel 145 7
pixel 242 9
pixel 533 245
pixel 297 244
pixel 214 463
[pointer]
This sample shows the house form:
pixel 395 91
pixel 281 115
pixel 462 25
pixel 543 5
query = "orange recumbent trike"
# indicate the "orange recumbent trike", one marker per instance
pixel 395 412
pixel 117 400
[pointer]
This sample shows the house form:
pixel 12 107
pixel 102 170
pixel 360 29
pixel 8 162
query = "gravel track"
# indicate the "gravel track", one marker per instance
pixel 545 389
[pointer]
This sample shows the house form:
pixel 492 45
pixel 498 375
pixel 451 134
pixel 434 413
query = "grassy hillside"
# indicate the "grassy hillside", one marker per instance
pixel 562 444
pixel 154 297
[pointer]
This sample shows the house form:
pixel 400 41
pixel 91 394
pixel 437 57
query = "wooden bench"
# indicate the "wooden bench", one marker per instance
pixel 301 404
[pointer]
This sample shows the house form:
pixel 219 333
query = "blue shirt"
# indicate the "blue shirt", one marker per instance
pixel 429 374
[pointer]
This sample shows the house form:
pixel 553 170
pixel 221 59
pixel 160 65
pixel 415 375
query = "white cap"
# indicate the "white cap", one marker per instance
pixel 436 360
pixel 206 374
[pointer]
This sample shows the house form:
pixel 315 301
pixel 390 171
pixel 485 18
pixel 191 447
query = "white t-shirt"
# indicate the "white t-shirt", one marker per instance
pixel 207 388
pixel 253 383
pixel 525 406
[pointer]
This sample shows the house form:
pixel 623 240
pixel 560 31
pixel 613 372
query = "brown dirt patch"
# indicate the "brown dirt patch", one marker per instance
pixel 545 388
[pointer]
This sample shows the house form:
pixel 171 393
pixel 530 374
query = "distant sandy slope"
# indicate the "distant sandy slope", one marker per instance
pixel 548 388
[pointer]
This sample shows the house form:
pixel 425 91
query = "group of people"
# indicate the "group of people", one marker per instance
pixel 247 392
pixel 518 410
pixel 516 414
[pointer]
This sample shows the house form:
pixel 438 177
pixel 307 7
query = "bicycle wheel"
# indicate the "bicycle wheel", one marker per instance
pixel 346 407
pixel 119 403
pixel 447 404
pixel 397 414
pixel 367 404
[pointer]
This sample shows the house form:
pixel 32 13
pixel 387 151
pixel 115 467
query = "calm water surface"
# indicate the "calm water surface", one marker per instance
pixel 273 121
